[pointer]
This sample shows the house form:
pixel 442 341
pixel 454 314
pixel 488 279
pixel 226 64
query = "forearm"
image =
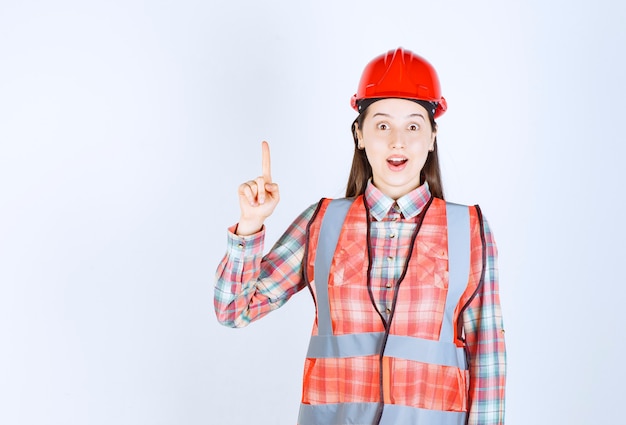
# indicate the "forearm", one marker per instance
pixel 488 374
pixel 248 285
pixel 236 278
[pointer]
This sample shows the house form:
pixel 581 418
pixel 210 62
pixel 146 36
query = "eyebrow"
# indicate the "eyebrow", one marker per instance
pixel 382 114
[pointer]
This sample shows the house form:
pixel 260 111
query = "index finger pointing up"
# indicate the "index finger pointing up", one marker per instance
pixel 267 172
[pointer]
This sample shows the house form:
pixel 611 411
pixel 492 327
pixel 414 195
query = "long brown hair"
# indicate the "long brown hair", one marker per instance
pixel 361 170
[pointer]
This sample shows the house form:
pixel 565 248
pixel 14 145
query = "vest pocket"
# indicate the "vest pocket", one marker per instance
pixel 341 380
pixel 432 265
pixel 429 386
pixel 349 265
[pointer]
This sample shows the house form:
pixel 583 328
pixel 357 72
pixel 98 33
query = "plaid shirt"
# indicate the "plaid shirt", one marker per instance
pixel 250 285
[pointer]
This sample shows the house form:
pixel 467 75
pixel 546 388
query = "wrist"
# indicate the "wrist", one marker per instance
pixel 248 227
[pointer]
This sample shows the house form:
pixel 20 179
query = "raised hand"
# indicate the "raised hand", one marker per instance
pixel 258 197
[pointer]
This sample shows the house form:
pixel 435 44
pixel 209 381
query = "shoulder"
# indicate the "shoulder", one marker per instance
pixel 333 210
pixel 456 211
pixel 473 210
pixel 341 204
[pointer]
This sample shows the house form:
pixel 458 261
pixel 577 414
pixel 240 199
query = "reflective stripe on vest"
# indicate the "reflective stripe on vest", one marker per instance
pixel 403 347
pixel 326 245
pixel 364 413
pixel 443 352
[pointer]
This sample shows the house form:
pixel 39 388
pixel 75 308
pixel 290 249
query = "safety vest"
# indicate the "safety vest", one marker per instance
pixel 412 371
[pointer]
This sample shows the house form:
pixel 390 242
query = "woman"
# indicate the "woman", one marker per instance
pixel 408 326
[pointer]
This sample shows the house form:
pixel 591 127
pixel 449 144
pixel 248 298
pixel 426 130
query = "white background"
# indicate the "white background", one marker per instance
pixel 126 127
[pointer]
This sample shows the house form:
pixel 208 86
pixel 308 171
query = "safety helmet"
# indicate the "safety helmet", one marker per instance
pixel 400 74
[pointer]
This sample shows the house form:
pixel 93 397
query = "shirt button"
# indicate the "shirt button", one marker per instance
pixel 240 245
pixel 393 235
pixel 388 311
pixel 388 285
pixel 390 258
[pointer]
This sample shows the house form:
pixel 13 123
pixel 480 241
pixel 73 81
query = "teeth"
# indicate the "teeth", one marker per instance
pixel 397 160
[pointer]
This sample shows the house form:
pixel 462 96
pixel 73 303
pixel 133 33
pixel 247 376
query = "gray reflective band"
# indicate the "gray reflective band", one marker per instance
pixel 349 345
pixel 426 351
pixel 337 414
pixel 459 250
pixel 327 242
pixel 403 347
pixel 364 413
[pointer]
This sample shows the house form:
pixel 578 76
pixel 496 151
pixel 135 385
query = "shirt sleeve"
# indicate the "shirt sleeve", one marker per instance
pixel 249 285
pixel 485 341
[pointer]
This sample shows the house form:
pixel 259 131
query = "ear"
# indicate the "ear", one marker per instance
pixel 357 131
pixel 433 138
pixel 358 134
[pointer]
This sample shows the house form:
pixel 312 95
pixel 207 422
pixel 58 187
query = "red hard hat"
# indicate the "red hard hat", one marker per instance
pixel 402 74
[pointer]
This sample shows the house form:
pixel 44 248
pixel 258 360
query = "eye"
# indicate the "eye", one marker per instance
pixel 414 127
pixel 383 126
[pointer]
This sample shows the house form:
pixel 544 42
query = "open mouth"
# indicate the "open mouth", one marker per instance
pixel 396 162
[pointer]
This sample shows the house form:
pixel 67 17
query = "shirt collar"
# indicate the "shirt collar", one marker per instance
pixel 410 205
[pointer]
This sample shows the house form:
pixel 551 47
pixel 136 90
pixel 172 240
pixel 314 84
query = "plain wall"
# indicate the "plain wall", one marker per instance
pixel 126 127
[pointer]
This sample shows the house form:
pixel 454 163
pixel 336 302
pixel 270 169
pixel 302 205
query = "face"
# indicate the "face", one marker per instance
pixel 397 137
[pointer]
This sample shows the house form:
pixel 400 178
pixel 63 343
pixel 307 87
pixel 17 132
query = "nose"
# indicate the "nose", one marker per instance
pixel 397 140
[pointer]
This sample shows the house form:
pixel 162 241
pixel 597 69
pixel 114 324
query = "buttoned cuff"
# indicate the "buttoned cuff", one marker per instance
pixel 245 246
